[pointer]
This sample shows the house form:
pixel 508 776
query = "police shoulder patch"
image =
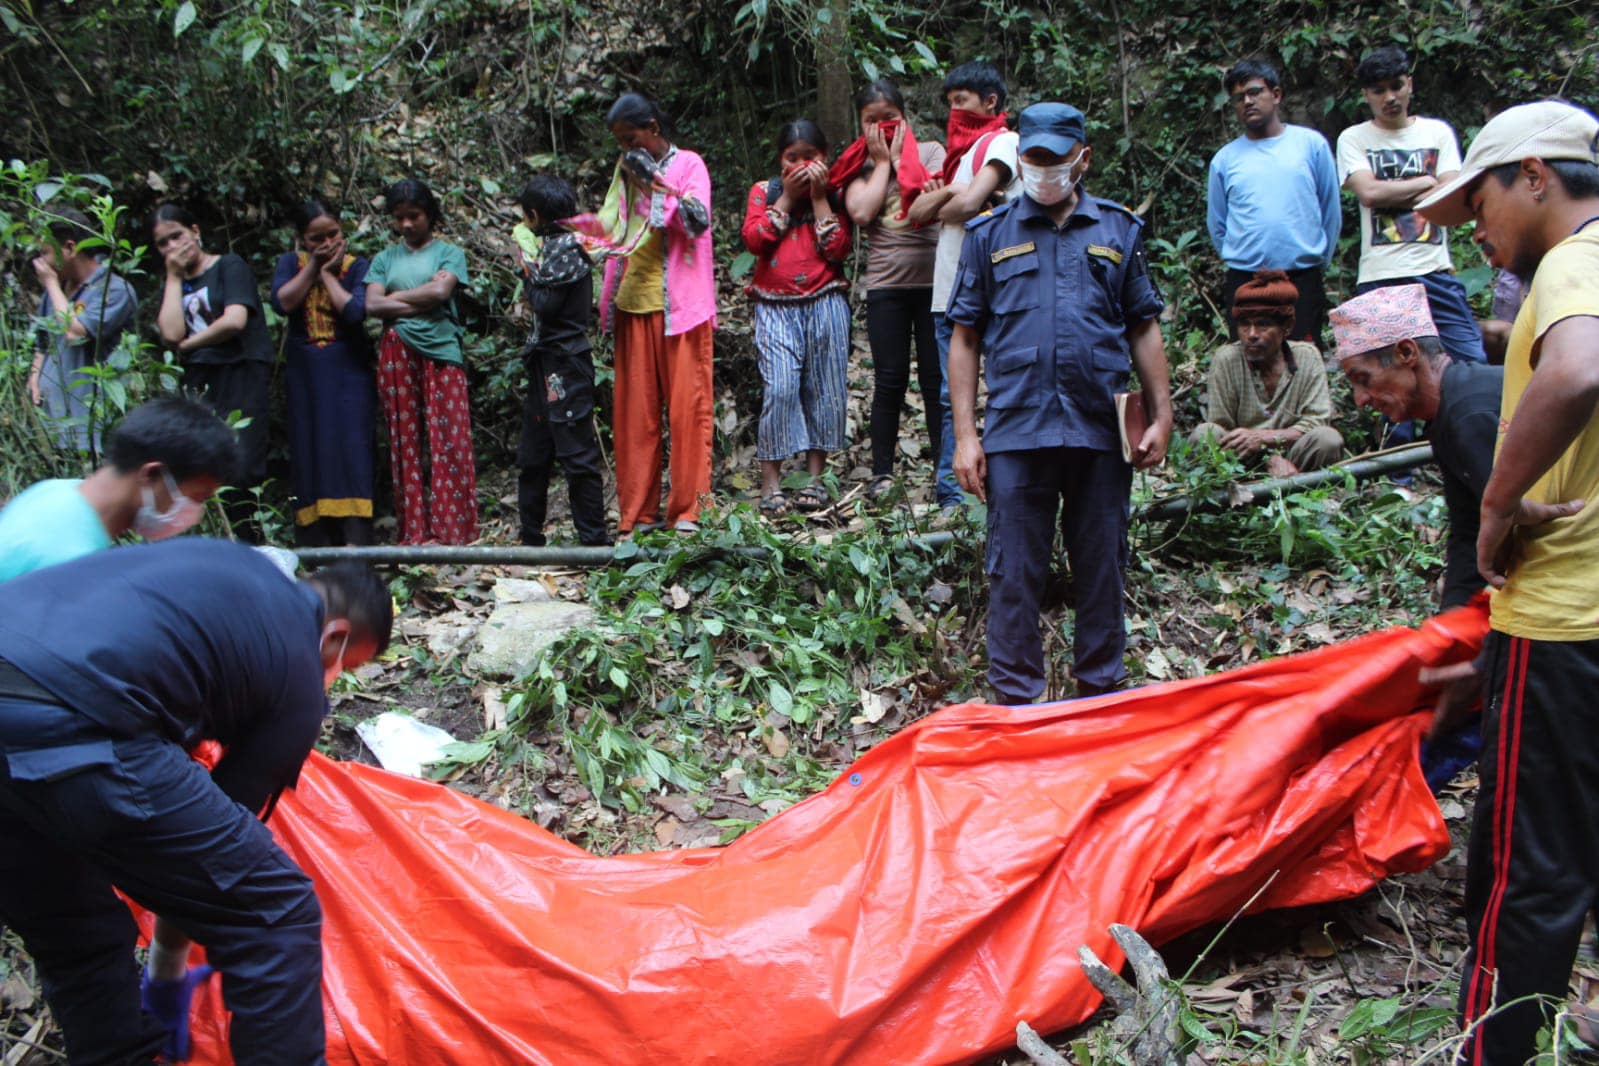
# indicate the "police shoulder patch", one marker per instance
pixel 1120 209
pixel 1014 250
pixel 1104 251
pixel 985 217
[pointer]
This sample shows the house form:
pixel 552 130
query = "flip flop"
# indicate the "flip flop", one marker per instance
pixel 812 498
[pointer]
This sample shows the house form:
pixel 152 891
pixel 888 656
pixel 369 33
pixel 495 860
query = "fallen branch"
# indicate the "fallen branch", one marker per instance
pixel 1370 465
pixel 1146 1026
pixel 1146 1016
pixel 1029 1043
pixel 30 1048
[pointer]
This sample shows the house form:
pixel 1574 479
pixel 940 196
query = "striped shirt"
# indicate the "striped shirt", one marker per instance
pixel 1238 397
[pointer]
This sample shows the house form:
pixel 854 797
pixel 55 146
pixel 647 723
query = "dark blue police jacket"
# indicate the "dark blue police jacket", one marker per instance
pixel 189 639
pixel 1053 307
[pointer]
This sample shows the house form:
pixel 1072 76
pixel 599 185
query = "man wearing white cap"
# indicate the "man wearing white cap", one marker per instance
pixel 1390 350
pixel 1531 181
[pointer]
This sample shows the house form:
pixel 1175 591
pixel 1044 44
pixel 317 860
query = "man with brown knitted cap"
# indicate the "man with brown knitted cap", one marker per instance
pixel 1268 395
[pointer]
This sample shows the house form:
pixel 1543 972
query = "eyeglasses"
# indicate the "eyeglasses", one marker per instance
pixel 1251 93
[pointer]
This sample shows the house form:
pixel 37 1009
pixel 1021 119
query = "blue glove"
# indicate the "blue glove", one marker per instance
pixel 169 1002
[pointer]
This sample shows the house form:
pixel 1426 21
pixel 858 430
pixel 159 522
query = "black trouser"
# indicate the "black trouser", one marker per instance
pixel 1084 494
pixel 246 387
pixel 1532 865
pixel 81 812
pixel 893 318
pixel 558 424
pixel 1310 310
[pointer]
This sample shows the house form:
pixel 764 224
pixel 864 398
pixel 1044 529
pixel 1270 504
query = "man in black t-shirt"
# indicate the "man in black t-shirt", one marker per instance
pixel 1389 349
pixel 103 694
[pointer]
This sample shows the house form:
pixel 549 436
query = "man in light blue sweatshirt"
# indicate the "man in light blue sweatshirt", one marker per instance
pixel 1273 198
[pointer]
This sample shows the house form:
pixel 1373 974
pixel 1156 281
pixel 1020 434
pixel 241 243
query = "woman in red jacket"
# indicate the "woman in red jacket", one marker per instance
pixel 799 239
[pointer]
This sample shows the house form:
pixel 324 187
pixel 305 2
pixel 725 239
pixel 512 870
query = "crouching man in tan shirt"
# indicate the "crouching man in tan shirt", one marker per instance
pixel 1268 395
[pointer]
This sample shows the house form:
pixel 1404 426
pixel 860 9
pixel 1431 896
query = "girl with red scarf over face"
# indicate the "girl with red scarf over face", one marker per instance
pixel 793 227
pixel 881 174
pixel 980 170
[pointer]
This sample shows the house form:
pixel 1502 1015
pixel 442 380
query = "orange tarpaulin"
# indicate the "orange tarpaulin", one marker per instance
pixel 913 912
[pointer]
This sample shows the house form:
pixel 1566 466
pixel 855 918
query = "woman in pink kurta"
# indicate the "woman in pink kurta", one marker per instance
pixel 659 301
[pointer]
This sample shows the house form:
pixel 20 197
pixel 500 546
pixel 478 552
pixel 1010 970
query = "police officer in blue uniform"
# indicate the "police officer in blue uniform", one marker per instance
pixel 112 667
pixel 1053 287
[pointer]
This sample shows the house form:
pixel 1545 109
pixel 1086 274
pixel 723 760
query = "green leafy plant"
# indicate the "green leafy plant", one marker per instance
pixel 125 376
pixel 747 631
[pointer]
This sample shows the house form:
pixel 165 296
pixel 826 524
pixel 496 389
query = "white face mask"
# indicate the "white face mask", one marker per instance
pixel 331 672
pixel 1049 185
pixel 152 524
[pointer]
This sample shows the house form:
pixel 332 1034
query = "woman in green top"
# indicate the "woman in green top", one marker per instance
pixel 411 286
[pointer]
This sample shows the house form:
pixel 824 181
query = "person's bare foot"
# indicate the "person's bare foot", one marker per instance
pixel 1278 466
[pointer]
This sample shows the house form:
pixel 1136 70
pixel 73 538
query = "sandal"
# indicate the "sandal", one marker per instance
pixel 812 498
pixel 776 505
pixel 880 487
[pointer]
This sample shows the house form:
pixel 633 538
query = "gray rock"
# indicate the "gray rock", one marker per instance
pixel 520 590
pixel 516 635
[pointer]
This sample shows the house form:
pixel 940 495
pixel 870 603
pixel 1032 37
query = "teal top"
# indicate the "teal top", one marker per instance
pixel 45 524
pixel 434 334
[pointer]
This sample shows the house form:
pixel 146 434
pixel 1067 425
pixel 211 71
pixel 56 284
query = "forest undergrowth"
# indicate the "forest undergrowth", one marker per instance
pixel 723 686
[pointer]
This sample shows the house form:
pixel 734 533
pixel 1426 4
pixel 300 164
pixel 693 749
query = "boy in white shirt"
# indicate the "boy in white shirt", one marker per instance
pixel 979 171
pixel 1390 163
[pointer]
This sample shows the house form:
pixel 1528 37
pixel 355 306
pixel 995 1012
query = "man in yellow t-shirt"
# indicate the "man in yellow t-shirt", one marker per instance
pixel 1531 181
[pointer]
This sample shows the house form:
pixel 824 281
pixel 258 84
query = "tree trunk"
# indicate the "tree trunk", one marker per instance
pixel 835 87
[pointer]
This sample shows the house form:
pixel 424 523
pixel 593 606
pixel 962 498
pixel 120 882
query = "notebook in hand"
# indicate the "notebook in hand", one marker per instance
pixel 1132 420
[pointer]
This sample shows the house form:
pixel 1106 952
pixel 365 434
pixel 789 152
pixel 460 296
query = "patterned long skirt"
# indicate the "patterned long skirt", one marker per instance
pixel 407 382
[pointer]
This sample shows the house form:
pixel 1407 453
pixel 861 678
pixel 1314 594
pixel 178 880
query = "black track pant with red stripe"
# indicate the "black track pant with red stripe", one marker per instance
pixel 1532 868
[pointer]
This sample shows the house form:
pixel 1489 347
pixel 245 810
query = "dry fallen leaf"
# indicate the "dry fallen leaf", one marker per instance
pixel 677 597
pixel 1244 1008
pixel 1156 665
pixel 874 705
pixel 15 994
pixel 907 617
pixel 494 712
pixel 1316 942
pixel 1319 632
pixel 776 743
pixel 680 806
pixel 665 829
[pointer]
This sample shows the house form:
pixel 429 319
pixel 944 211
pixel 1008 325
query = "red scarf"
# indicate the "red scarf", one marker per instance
pixel 909 170
pixel 966 128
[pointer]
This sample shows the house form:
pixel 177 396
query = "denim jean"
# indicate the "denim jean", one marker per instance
pixel 947 488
